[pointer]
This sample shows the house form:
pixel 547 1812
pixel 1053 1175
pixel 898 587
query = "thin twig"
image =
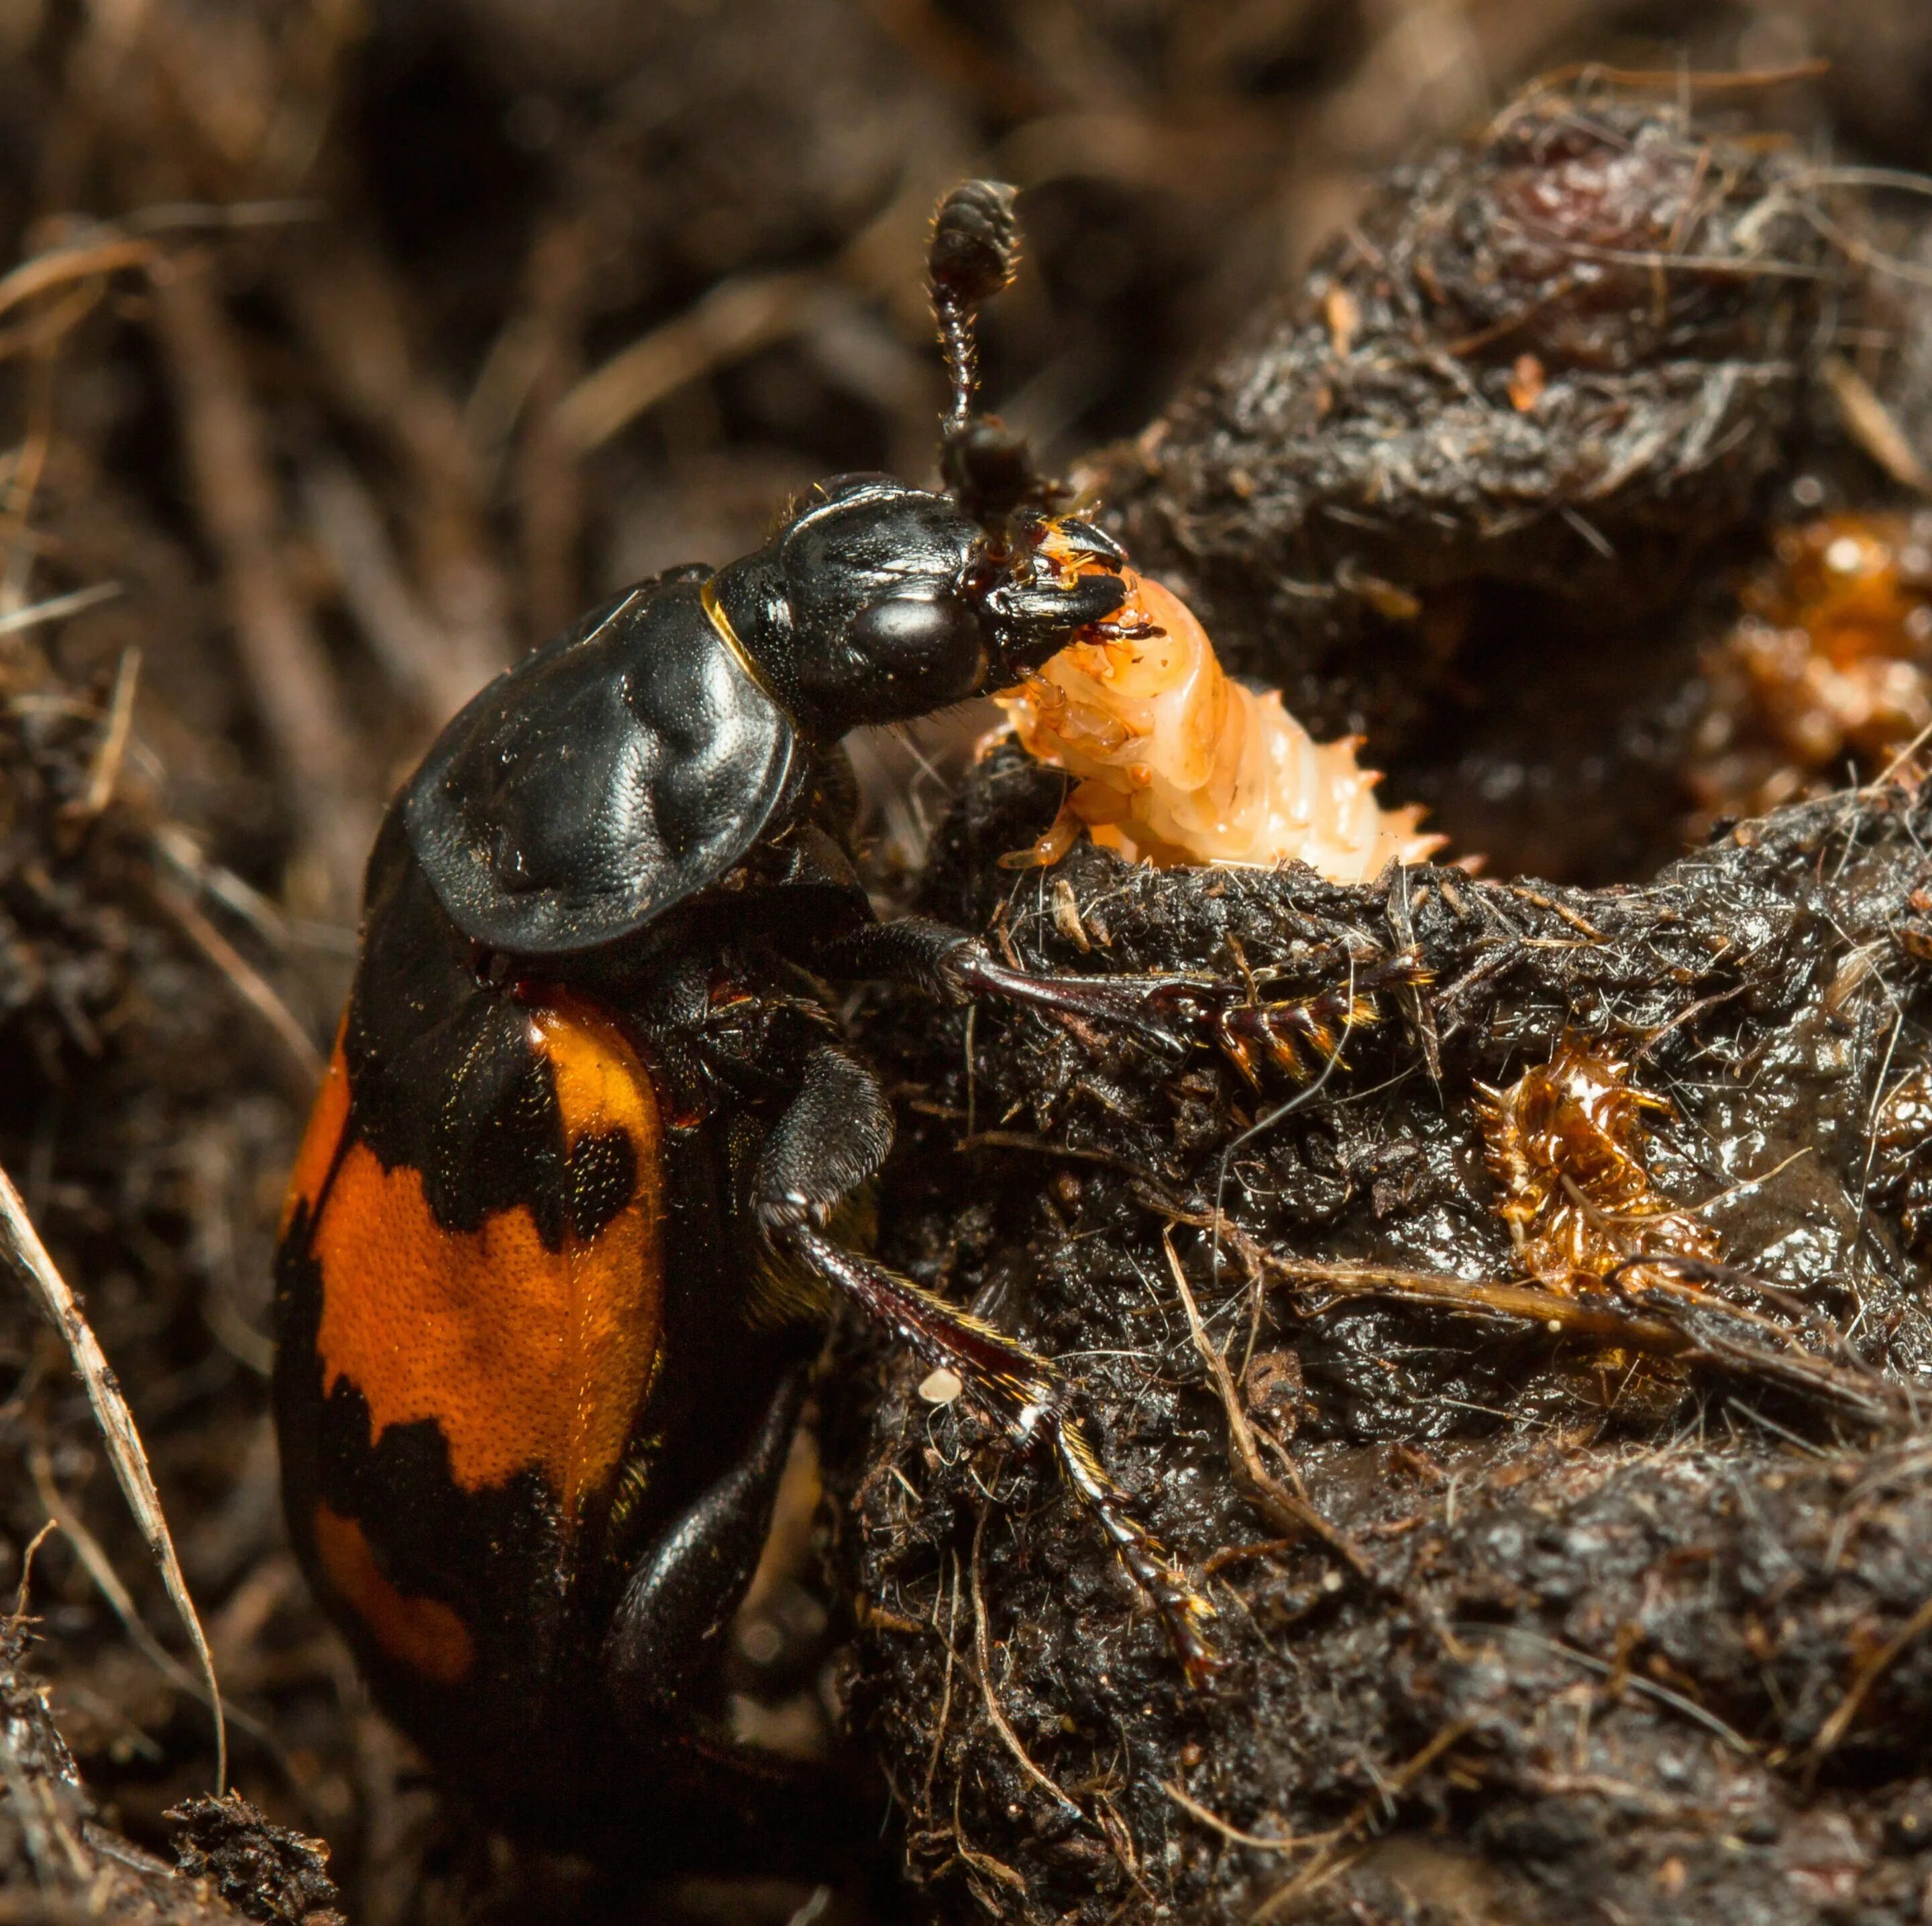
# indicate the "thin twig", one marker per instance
pixel 59 265
pixel 1872 426
pixel 344 295
pixel 1008 1735
pixel 972 1857
pixel 1581 924
pixel 440 671
pixel 106 772
pixel 1720 82
pixel 1835 1728
pixel 1019 1140
pixel 737 318
pixel 1357 1823
pixel 1306 1842
pixel 253 988
pixel 1629 1682
pixel 945 1689
pixel 121 1601
pixel 1685 1329
pixel 1885 775
pixel 1286 1508
pixel 23 1247
pixel 168 217
pixel 33 1545
pixel 548 479
pixel 287 669
pixel 55 608
pixel 107 1581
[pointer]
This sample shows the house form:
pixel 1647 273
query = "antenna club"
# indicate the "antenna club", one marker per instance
pixel 976 243
pixel 975 253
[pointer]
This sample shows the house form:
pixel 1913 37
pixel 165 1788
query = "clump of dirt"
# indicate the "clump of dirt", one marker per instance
pixel 1561 359
pixel 1449 491
pixel 267 1871
pixel 1619 1591
pixel 52 1840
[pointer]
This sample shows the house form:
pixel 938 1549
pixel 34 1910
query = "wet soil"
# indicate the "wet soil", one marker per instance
pixel 1599 1619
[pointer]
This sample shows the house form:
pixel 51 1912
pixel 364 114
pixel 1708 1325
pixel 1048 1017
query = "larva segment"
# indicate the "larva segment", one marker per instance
pixel 1176 763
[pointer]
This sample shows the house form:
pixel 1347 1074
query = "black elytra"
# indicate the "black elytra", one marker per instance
pixel 591 1161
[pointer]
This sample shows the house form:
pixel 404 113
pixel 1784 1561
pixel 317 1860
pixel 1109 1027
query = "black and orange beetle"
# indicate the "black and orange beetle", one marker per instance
pixel 585 1177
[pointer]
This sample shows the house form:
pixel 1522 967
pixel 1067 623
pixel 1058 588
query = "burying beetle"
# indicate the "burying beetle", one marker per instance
pixel 585 1177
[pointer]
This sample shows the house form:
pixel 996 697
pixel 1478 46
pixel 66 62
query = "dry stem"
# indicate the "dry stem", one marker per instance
pixel 1008 1736
pixel 281 654
pixel 22 1246
pixel 1286 1508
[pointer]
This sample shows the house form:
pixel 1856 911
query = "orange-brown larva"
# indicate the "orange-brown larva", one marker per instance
pixel 1829 668
pixel 1174 763
pixel 1565 1145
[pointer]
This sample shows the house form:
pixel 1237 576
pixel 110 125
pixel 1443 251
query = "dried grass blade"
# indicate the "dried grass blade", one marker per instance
pixel 1835 1728
pixel 56 608
pixel 736 318
pixel 66 1519
pixel 249 984
pixel 28 1255
pixel 1287 1509
pixel 997 1717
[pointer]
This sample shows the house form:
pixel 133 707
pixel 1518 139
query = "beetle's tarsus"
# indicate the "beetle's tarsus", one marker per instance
pixel 1298 1039
pixel 1184 1611
pixel 1030 1395
pixel 662 1639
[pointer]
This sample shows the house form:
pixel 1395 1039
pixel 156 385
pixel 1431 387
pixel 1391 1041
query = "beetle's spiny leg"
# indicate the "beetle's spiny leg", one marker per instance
pixel 1030 1395
pixel 1021 1387
pixel 1298 1037
pixel 1291 1034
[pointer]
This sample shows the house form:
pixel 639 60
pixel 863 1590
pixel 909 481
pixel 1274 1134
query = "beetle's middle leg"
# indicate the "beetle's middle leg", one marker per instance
pixel 1293 1037
pixel 833 1138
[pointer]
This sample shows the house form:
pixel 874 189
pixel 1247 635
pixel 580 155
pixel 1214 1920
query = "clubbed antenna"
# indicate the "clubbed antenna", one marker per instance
pixel 975 253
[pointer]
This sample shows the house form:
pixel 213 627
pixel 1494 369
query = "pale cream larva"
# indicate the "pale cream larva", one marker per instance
pixel 1174 763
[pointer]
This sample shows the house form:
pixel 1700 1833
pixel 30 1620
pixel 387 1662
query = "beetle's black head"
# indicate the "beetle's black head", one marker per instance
pixel 875 602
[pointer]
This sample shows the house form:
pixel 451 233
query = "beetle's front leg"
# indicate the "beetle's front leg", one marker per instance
pixel 832 1140
pixel 1293 1037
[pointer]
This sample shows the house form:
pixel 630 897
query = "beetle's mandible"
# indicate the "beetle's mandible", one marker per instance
pixel 584 1178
